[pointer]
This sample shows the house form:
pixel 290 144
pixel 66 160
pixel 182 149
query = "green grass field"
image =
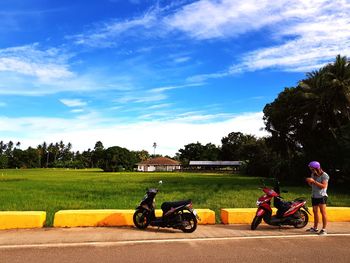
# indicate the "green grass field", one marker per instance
pixel 51 190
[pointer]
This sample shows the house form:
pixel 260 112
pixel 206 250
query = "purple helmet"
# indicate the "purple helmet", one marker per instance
pixel 315 165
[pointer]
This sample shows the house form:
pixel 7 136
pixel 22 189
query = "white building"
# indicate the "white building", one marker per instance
pixel 159 164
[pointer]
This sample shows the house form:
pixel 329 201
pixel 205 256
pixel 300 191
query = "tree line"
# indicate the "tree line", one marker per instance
pixel 310 121
pixel 60 155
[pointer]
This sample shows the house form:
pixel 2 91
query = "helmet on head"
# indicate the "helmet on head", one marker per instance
pixel 315 165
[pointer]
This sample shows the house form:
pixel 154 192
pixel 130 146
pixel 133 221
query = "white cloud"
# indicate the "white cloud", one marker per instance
pixel 310 33
pixel 46 65
pixel 159 106
pixel 73 102
pixel 33 71
pixel 77 111
pixel 182 59
pixel 207 19
pixel 151 95
pixel 170 135
pixel 108 33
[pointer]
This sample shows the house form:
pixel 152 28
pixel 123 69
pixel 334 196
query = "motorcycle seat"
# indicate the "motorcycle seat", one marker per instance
pixel 166 206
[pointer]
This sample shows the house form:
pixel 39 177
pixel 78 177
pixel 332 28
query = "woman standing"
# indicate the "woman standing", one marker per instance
pixel 319 183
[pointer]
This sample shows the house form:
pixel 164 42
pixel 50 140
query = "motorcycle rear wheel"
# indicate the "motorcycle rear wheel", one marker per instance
pixel 141 218
pixel 304 219
pixel 189 223
pixel 256 222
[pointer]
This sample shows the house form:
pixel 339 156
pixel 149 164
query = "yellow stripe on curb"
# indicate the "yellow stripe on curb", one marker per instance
pixel 334 214
pixel 207 216
pixel 22 219
pixel 246 215
pixel 74 218
pixel 112 217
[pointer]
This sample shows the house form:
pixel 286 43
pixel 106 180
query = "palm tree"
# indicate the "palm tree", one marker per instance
pixel 18 144
pixel 328 91
pixel 154 147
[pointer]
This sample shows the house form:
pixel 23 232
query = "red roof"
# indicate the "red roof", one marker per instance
pixel 159 161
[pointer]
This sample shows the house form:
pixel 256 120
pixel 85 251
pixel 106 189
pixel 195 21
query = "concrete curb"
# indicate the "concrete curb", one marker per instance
pixel 246 215
pixel 115 217
pixel 22 219
pixel 334 214
pixel 112 217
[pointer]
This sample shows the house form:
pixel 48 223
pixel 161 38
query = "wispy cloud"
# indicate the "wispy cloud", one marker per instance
pixel 73 102
pixel 77 111
pixel 208 19
pixel 32 70
pixel 46 65
pixel 151 95
pixel 159 106
pixel 309 33
pixel 109 33
pixel 182 59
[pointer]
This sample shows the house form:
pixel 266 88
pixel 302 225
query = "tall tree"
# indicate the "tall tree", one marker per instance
pixel 310 121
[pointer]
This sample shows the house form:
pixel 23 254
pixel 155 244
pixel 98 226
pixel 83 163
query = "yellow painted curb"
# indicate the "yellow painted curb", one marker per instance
pixel 246 215
pixel 112 217
pixel 207 216
pixel 334 214
pixel 74 218
pixel 22 219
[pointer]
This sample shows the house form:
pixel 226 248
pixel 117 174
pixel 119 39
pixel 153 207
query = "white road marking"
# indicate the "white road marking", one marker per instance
pixel 154 241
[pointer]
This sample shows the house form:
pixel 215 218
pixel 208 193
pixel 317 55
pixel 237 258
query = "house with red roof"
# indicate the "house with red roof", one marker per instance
pixel 159 164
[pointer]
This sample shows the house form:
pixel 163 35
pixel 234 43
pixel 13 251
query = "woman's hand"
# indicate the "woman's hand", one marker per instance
pixel 310 180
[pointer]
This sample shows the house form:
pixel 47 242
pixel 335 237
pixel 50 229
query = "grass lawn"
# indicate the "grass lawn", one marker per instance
pixel 51 190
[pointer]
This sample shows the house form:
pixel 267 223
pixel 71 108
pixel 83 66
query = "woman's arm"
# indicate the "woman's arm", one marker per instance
pixel 322 185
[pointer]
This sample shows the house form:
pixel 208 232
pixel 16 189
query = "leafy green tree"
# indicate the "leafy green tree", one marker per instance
pixel 97 154
pixel 198 152
pixel 117 159
pixel 3 161
pixel 234 146
pixel 310 121
pixel 142 155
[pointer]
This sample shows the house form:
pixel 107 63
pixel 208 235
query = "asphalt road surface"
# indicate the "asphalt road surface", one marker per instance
pixel 218 243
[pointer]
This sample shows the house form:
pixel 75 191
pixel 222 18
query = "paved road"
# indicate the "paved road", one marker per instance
pixel 218 243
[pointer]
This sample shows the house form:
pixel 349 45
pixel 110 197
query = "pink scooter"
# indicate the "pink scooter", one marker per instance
pixel 294 213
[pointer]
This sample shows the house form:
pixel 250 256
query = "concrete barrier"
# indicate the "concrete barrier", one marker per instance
pixel 74 218
pixel 22 219
pixel 334 214
pixel 112 217
pixel 246 215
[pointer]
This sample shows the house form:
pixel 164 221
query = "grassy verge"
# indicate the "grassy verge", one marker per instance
pixel 51 190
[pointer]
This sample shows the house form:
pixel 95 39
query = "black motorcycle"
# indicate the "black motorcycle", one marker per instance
pixel 178 215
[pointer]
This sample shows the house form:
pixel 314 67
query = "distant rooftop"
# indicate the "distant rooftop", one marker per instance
pixel 216 163
pixel 159 161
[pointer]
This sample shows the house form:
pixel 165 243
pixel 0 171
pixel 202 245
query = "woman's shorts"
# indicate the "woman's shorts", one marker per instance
pixel 319 201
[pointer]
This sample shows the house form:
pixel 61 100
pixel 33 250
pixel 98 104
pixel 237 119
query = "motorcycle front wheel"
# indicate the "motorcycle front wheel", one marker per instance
pixel 189 222
pixel 304 219
pixel 141 218
pixel 256 222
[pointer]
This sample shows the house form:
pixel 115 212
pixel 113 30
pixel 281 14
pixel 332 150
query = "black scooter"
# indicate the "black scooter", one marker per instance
pixel 178 215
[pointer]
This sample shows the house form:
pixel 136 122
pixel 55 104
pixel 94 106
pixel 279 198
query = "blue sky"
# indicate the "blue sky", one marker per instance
pixel 134 72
